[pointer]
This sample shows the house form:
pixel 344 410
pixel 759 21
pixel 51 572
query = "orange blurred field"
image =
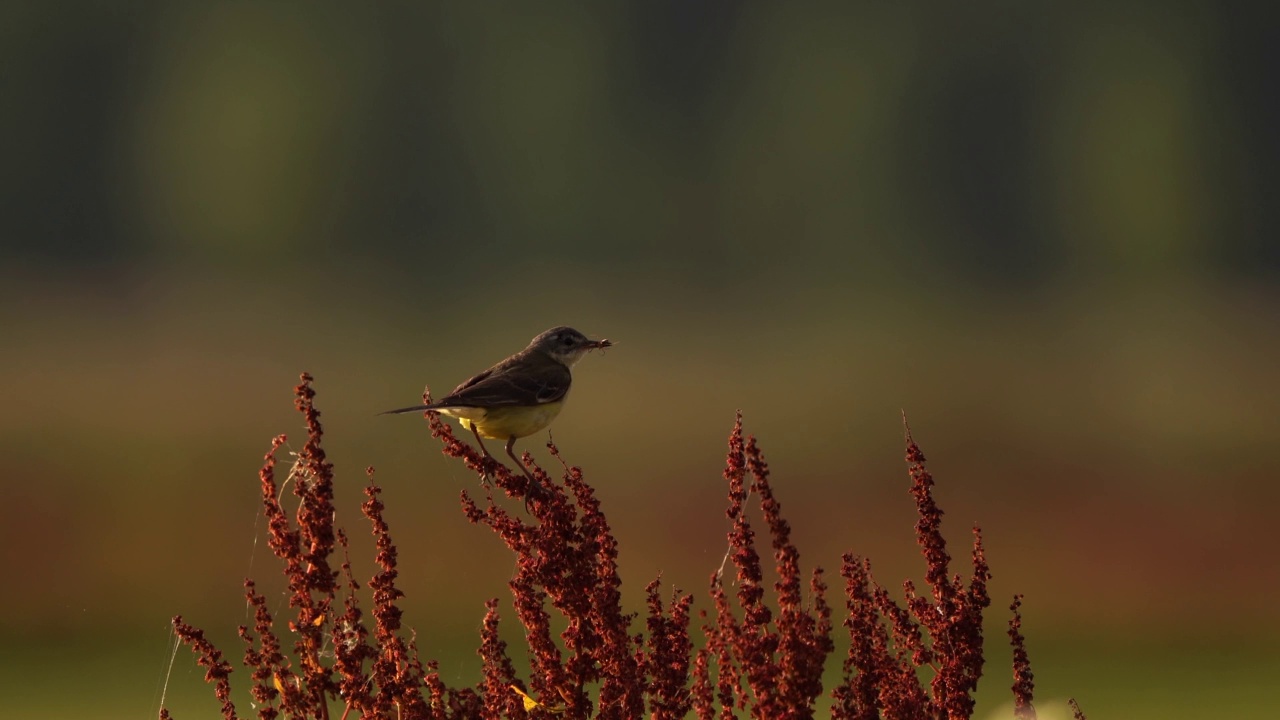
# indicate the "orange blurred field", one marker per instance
pixel 1135 532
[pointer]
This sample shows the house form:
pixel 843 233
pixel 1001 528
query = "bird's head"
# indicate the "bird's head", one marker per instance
pixel 566 345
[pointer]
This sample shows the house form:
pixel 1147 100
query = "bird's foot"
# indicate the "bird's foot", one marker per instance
pixel 488 474
pixel 533 490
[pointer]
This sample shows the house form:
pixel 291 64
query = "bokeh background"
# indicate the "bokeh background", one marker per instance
pixel 1047 232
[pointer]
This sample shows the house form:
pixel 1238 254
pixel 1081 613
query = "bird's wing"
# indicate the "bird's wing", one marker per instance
pixel 516 384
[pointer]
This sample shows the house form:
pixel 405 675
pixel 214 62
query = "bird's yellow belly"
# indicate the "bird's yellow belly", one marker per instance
pixel 503 423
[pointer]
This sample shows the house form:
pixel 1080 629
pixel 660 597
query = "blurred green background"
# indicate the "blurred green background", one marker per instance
pixel 1046 231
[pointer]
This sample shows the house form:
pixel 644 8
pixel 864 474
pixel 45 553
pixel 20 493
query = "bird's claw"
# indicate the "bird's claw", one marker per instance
pixel 487 474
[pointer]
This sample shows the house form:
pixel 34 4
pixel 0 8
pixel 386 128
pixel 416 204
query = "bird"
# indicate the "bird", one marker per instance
pixel 519 396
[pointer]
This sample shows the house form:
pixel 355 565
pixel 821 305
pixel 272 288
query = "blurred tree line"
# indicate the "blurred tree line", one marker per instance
pixel 1012 144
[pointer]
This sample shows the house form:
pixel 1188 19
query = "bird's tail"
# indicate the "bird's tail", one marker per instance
pixel 415 408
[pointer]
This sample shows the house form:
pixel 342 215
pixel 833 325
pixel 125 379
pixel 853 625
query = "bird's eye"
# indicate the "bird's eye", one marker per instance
pixel 567 340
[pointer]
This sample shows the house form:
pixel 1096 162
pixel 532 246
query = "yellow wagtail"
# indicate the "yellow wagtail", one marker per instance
pixel 520 395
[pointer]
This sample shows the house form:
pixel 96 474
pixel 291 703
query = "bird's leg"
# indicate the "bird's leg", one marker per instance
pixel 534 487
pixel 485 477
pixel 511 443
